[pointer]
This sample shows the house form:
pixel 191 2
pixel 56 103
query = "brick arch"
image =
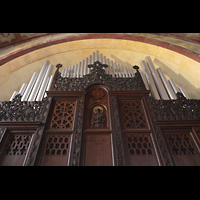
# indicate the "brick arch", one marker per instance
pixel 186 52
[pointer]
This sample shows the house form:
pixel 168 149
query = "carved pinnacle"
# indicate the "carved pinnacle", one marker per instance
pixel 58 66
pixel 136 67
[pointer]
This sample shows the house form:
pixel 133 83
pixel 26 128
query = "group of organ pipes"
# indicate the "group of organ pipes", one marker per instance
pixel 91 118
pixel 154 79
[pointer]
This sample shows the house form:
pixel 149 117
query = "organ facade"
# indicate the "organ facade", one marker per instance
pixel 98 113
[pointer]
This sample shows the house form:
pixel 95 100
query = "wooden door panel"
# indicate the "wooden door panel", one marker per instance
pixel 56 150
pixel 15 149
pixel 140 150
pixel 183 149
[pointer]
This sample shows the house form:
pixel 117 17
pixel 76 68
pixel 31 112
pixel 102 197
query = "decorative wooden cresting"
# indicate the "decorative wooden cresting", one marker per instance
pixel 100 120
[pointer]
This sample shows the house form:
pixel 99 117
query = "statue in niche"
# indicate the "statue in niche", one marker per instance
pixel 98 118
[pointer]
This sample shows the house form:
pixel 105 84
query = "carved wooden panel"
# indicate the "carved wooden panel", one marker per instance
pixel 183 149
pixel 56 150
pixel 98 150
pixel 63 115
pixel 133 114
pixel 140 150
pixel 15 150
pixel 97 97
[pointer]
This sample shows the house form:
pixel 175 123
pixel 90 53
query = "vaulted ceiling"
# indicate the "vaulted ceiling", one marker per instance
pixel 23 53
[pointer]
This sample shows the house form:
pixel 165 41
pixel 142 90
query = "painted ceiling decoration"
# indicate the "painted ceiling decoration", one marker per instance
pixel 13 45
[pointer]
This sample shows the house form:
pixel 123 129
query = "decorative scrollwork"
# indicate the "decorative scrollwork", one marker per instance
pixel 179 109
pixel 98 75
pixel 17 110
pixel 133 115
pixel 63 115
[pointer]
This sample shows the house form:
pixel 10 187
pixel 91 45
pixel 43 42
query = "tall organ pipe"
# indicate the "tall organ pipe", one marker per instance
pixel 44 83
pixel 36 87
pixel 86 64
pixel 23 88
pixel 122 71
pixel 166 84
pixel 150 80
pixel 29 87
pixel 49 85
pixel 83 69
pixel 183 92
pixel 118 71
pixel 13 95
pixel 97 56
pixel 144 79
pixel 112 68
pixel 173 85
pixel 125 71
pixel 156 77
pixel 93 57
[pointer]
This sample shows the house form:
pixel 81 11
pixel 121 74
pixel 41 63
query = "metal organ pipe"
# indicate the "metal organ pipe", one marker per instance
pixel 97 56
pixel 44 83
pixel 156 77
pixel 166 84
pixel 93 57
pixel 121 70
pixel 173 85
pixel 132 73
pixel 112 68
pixel 86 64
pixel 49 85
pixel 22 89
pixel 13 95
pixel 63 72
pixel 150 80
pixel 38 81
pixel 129 72
pixel 29 87
pixel 153 79
pixel 118 71
pixel 125 71
pixel 107 62
pixel 144 79
pixel 183 92
pixel 101 58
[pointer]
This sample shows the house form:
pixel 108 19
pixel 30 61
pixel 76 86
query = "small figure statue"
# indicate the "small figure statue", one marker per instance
pixel 98 118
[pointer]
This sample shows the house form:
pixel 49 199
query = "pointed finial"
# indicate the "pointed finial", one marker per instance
pixel 58 66
pixel 136 67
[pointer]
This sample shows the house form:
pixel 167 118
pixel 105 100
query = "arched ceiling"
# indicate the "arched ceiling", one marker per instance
pixel 23 53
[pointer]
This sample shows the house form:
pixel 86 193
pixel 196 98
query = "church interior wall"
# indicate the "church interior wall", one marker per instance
pixel 184 70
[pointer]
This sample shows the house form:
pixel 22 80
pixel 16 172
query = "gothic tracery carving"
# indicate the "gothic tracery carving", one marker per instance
pixel 133 116
pixel 17 110
pixel 98 75
pixel 179 109
pixel 63 115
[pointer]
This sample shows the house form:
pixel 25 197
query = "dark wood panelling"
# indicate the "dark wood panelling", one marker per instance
pixel 56 150
pixel 15 148
pixel 98 149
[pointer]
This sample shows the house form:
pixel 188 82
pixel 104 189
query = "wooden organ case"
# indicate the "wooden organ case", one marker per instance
pixel 100 120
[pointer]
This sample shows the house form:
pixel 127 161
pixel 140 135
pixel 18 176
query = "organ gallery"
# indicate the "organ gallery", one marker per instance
pixel 100 114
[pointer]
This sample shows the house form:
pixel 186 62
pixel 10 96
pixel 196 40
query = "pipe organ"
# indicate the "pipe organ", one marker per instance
pixel 100 113
pixel 154 79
